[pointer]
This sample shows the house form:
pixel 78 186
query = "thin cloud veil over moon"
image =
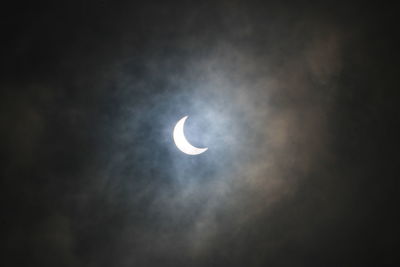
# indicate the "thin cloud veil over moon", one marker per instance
pixel 105 105
pixel 182 143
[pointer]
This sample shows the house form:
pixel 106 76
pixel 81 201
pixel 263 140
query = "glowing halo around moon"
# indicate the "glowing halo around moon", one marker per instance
pixel 182 143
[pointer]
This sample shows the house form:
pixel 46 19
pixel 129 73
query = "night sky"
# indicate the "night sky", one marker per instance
pixel 296 102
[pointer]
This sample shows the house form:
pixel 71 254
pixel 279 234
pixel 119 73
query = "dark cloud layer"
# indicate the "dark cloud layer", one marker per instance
pixel 296 103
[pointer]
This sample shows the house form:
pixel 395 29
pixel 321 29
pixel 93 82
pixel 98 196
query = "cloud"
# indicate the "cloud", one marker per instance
pixel 259 85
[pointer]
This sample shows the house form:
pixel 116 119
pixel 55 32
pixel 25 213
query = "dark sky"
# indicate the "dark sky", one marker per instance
pixel 296 103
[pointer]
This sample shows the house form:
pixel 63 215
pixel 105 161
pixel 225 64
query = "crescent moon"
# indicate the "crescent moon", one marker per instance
pixel 182 143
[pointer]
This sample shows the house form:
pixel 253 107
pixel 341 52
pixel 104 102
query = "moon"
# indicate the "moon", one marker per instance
pixel 182 143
